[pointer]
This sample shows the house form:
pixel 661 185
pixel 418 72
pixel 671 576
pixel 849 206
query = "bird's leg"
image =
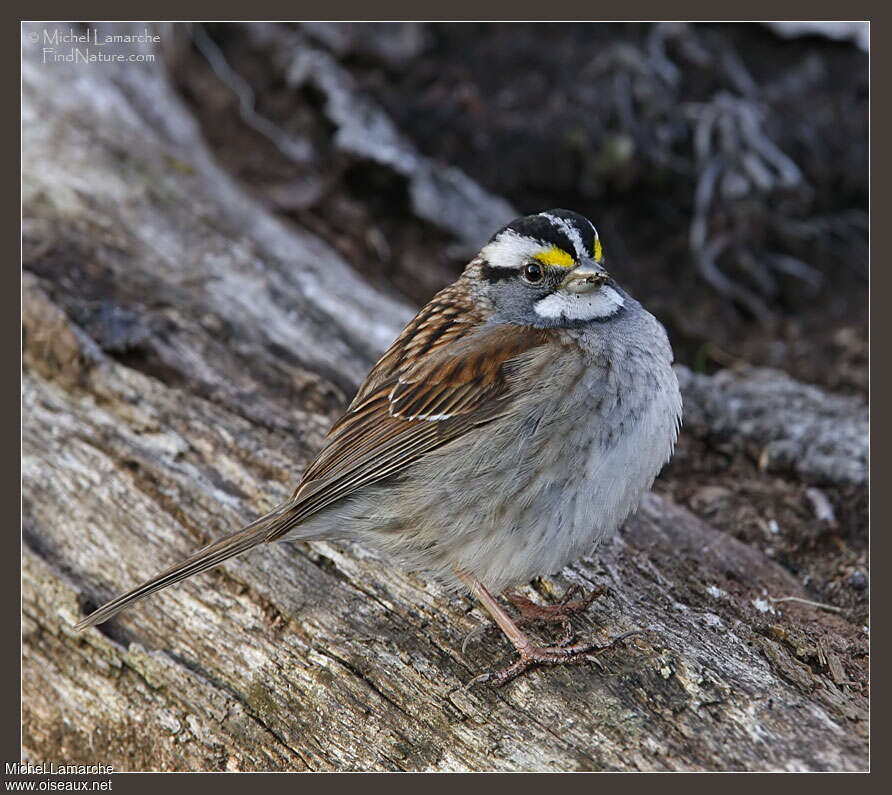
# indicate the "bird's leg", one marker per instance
pixel 530 655
pixel 531 613
pixel 552 614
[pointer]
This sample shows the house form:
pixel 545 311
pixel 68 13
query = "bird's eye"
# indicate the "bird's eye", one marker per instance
pixel 533 273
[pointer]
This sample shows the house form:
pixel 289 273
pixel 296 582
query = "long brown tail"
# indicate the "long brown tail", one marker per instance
pixel 267 527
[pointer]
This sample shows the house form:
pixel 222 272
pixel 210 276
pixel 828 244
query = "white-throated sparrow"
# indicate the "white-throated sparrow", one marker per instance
pixel 518 418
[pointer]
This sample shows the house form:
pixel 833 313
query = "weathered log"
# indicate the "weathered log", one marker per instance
pixel 184 353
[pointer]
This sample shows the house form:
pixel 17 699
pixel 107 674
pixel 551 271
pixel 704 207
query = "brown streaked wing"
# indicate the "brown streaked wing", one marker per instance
pixel 456 379
pixel 447 317
pixel 463 384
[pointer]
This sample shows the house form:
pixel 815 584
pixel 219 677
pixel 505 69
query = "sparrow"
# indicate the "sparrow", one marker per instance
pixel 515 422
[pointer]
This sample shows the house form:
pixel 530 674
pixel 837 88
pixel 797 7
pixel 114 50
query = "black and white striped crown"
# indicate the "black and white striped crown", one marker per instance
pixel 568 231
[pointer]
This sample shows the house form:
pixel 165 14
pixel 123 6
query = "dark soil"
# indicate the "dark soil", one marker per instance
pixel 530 111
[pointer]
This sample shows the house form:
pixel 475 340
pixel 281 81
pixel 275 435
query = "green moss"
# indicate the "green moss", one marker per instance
pixel 180 166
pixel 259 699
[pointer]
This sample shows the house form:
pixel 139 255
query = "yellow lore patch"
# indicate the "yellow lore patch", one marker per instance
pixel 555 256
pixel 597 252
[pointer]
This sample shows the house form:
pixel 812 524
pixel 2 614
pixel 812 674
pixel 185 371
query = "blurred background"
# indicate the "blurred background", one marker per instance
pixel 725 165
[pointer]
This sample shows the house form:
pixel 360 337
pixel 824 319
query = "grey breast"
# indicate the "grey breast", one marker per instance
pixel 537 488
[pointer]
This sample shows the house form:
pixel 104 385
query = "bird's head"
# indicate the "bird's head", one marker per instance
pixel 548 271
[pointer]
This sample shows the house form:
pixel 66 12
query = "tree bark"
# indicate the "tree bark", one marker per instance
pixel 184 354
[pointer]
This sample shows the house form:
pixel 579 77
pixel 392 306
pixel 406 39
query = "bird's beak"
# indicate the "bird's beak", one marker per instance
pixel 585 278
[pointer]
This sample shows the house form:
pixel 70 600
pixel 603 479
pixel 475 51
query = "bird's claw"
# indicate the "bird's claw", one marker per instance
pixel 564 653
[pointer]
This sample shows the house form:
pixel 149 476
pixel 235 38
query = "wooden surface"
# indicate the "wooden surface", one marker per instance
pixel 184 354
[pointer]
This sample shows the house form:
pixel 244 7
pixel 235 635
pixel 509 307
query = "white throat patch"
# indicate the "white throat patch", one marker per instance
pixel 597 305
